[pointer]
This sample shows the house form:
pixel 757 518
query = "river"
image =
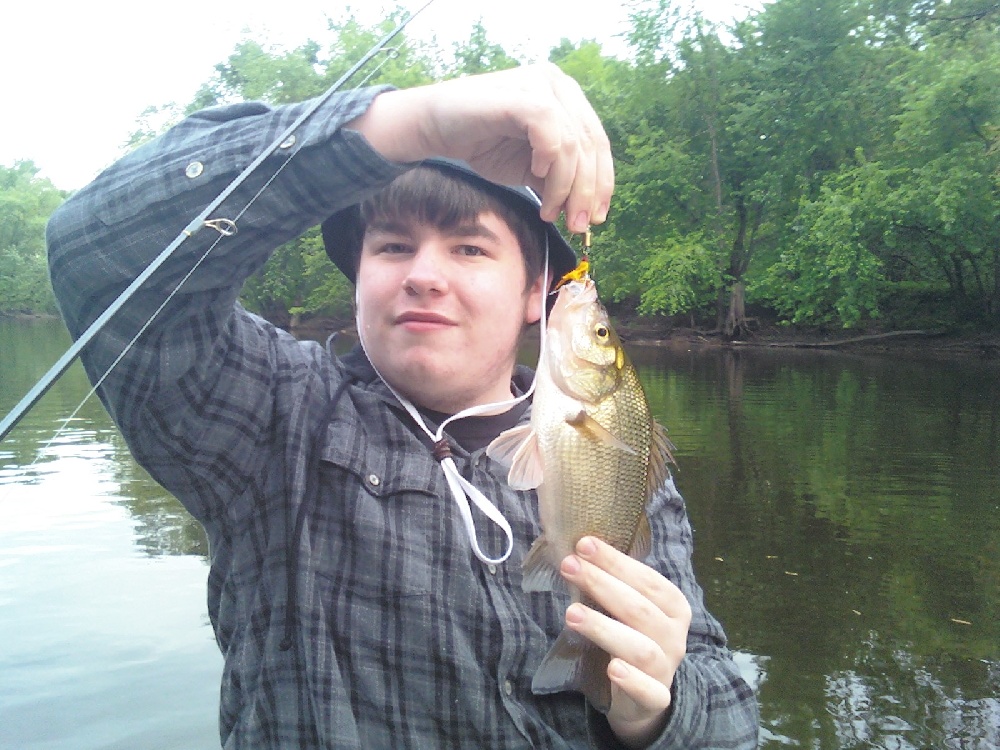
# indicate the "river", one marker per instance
pixel 846 511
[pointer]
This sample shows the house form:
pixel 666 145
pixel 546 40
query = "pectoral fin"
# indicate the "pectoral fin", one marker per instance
pixel 518 449
pixel 593 429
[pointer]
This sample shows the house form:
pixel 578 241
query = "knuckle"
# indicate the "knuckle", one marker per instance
pixel 658 588
pixel 684 613
pixel 640 611
pixel 647 656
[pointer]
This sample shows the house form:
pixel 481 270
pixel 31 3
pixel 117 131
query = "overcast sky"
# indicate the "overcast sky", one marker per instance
pixel 78 74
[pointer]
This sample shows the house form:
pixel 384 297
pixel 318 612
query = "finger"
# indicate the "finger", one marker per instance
pixel 621 641
pixel 648 582
pixel 580 204
pixel 577 164
pixel 647 693
pixel 629 608
pixel 639 704
pixel 595 172
pixel 605 184
pixel 560 182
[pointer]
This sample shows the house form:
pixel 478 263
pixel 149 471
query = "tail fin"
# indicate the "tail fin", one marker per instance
pixel 575 663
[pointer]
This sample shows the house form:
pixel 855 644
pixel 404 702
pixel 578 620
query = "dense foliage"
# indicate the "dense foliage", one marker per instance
pixel 26 201
pixel 830 163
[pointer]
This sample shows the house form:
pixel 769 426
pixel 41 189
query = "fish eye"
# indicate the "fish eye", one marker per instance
pixel 601 332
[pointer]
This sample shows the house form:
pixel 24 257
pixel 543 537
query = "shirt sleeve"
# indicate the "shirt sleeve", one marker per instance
pixel 712 706
pixel 193 378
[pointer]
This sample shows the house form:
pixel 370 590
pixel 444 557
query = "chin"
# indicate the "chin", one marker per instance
pixel 423 380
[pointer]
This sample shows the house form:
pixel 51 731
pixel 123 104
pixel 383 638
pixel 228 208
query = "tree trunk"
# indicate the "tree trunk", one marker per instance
pixel 736 320
pixel 995 298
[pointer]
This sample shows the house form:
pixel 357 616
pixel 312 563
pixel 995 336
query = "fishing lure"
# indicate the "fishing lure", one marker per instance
pixel 582 270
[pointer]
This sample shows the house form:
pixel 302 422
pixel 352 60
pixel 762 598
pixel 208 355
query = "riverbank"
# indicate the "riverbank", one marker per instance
pixel 655 332
pixel 939 342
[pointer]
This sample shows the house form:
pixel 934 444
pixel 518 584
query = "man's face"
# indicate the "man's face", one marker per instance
pixel 441 311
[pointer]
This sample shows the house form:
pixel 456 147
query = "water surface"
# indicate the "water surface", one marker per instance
pixel 847 531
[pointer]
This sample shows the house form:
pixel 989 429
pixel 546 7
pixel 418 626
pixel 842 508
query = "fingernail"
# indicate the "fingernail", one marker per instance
pixel 575 614
pixel 586 547
pixel 602 211
pixel 582 222
pixel 571 566
pixel 618 670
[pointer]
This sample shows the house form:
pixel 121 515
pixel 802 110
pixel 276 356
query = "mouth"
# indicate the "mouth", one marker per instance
pixel 418 320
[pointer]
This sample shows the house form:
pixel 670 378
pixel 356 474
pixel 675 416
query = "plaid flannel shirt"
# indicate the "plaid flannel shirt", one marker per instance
pixel 343 593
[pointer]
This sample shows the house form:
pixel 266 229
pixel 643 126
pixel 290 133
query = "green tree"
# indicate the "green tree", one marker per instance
pixel 480 55
pixel 298 280
pixel 916 231
pixel 26 202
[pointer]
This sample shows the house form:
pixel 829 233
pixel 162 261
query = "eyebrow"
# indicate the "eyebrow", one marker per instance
pixel 464 229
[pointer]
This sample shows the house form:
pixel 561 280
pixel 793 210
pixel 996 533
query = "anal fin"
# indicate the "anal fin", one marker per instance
pixel 575 663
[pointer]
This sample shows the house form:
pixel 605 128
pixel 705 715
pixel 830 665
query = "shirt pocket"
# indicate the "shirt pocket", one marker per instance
pixel 380 546
pixel 377 527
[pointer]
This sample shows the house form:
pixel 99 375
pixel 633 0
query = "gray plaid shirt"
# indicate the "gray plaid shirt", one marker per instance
pixel 343 592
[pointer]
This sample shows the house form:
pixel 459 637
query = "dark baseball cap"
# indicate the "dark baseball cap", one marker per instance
pixel 343 231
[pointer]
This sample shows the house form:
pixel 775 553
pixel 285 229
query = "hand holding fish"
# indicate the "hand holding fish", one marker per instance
pixel 644 632
pixel 530 125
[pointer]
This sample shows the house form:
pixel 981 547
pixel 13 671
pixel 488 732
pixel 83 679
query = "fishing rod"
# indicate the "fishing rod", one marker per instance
pixel 200 221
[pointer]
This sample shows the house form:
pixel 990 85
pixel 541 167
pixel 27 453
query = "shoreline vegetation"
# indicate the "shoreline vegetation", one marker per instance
pixel 811 177
pixel 660 332
pixel 657 332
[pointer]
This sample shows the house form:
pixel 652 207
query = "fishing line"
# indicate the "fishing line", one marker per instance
pixel 56 371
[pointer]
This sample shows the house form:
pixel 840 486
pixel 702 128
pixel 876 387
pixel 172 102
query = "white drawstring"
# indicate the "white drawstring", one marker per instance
pixel 461 489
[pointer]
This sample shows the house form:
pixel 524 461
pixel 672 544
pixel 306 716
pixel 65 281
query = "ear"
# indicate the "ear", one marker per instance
pixel 536 296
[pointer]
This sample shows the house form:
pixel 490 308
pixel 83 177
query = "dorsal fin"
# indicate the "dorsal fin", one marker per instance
pixel 659 456
pixel 642 542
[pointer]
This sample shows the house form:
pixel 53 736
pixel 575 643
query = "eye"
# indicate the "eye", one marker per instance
pixel 470 250
pixel 601 332
pixel 395 248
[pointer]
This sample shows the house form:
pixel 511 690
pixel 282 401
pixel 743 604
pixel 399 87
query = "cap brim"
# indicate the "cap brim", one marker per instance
pixel 343 231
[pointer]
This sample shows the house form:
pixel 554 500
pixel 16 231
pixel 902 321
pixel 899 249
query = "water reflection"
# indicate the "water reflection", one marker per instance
pixel 101 645
pixel 847 526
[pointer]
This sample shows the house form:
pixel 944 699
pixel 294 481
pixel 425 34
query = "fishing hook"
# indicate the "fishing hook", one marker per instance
pixel 201 220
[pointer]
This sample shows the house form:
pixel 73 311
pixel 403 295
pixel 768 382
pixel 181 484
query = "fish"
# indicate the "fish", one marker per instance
pixel 595 455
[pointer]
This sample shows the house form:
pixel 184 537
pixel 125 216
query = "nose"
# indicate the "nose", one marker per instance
pixel 426 274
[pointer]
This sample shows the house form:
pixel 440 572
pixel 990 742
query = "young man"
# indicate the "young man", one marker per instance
pixel 346 594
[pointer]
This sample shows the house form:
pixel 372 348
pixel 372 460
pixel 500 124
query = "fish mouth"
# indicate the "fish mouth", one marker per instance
pixel 580 292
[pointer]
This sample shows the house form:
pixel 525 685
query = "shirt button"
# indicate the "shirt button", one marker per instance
pixel 508 688
pixel 492 568
pixel 373 480
pixel 288 142
pixel 194 169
